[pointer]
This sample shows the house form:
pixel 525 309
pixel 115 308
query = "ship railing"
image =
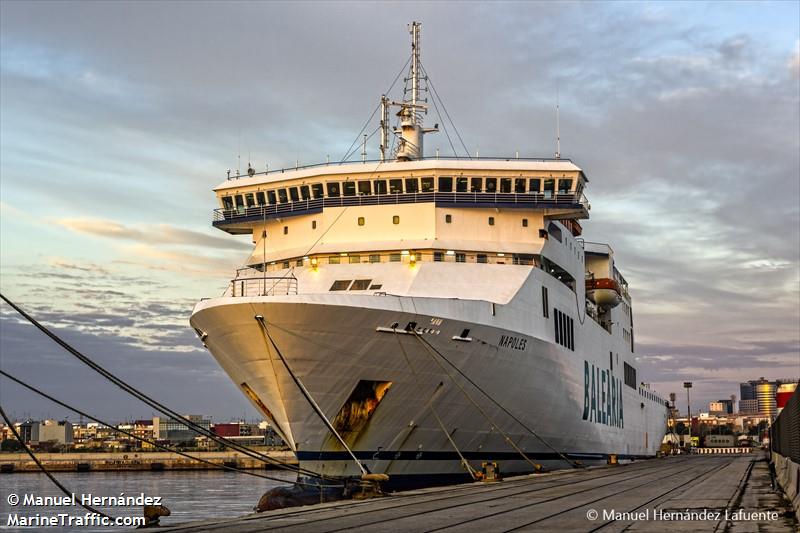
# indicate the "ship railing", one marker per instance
pixel 369 161
pixel 262 286
pixel 466 199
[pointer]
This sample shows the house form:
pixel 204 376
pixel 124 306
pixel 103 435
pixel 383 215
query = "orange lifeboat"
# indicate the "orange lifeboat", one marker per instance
pixel 604 292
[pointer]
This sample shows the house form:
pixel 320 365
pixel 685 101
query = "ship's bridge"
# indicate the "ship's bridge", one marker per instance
pixel 460 204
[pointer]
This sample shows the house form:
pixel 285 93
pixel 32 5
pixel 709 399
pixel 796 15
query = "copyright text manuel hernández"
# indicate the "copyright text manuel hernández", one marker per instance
pixel 30 510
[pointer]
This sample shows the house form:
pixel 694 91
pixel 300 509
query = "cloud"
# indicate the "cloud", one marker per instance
pixel 150 234
pixel 683 117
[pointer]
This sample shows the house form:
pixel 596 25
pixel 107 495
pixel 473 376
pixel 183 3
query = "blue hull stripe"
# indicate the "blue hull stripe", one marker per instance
pixel 383 455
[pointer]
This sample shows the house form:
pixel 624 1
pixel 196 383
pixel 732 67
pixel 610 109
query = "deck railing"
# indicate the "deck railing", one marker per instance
pixel 263 285
pixel 298 166
pixel 461 199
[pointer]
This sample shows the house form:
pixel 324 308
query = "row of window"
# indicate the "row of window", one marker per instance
pixel 448 256
pixel 334 189
pixel 362 221
pixel 630 376
pixel 565 329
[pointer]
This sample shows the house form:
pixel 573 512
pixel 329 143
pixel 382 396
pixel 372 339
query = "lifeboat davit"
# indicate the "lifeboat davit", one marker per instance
pixel 604 292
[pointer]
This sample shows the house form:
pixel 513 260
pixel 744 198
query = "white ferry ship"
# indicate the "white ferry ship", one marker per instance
pixel 419 316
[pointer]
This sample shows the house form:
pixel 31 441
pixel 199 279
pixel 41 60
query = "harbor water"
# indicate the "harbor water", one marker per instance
pixel 189 495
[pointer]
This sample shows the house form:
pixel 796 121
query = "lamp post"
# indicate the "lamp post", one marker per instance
pixel 688 385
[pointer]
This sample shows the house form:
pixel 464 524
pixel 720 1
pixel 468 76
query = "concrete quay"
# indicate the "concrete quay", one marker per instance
pixel 682 493
pixel 134 461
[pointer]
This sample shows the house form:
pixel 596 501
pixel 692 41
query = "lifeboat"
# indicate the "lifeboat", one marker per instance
pixel 604 292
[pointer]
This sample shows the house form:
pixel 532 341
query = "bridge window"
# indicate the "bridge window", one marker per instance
pixel 482 258
pixel 349 188
pixel 333 189
pixel 293 194
pixel 476 184
pixel 519 185
pixel 250 199
pixel 395 186
pixel 341 284
pixel 334 260
pixel 427 184
pixel 360 221
pixel 239 201
pixel 564 186
pixel 305 192
pixel 505 185
pixel 395 219
pixel 549 188
pixel 461 184
pixel 316 190
pixel 448 218
pixel 355 259
pixel 461 257
pixel 364 188
pixel 534 184
pixel 445 184
pixel 227 202
pixel 491 185
pixel 438 256
pixel 286 264
pixel 380 186
pixel 299 262
pixel 491 221
pixel 360 285
pixel 260 198
pixel 395 258
pixel 412 185
pixel 374 258
pixel 282 196
pixel 271 198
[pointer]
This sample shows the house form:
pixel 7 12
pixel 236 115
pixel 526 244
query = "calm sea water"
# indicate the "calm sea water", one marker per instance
pixel 190 496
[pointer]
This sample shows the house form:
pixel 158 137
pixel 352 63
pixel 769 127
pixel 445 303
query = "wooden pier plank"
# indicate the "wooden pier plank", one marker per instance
pixel 550 502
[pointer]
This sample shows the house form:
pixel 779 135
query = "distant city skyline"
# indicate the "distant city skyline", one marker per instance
pixel 117 119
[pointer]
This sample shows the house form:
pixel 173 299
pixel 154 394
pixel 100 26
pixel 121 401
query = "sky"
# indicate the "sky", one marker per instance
pixel 118 118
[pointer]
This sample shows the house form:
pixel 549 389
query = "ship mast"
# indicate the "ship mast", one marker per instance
pixel 411 131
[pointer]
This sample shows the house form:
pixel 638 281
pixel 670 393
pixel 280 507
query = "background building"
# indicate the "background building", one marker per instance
pixel 176 431
pixel 759 396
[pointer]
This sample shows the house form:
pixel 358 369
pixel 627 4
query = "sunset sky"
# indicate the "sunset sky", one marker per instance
pixel 117 119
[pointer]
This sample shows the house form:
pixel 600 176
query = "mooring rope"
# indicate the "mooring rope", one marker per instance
pixel 44 470
pixel 307 395
pixel 145 439
pixel 150 401
pixel 491 399
pixel 492 423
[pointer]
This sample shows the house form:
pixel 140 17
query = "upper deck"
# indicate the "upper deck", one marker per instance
pixel 552 184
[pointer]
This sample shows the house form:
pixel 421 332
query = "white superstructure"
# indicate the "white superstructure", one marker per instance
pixel 424 315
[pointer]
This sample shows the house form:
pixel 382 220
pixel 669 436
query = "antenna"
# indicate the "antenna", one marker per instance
pixel 364 149
pixel 558 126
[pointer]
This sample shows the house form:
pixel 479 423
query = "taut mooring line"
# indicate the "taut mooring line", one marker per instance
pixel 307 395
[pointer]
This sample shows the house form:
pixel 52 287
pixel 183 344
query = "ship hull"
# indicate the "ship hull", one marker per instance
pixel 449 395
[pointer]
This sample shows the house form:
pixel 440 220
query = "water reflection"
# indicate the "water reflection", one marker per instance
pixel 192 495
